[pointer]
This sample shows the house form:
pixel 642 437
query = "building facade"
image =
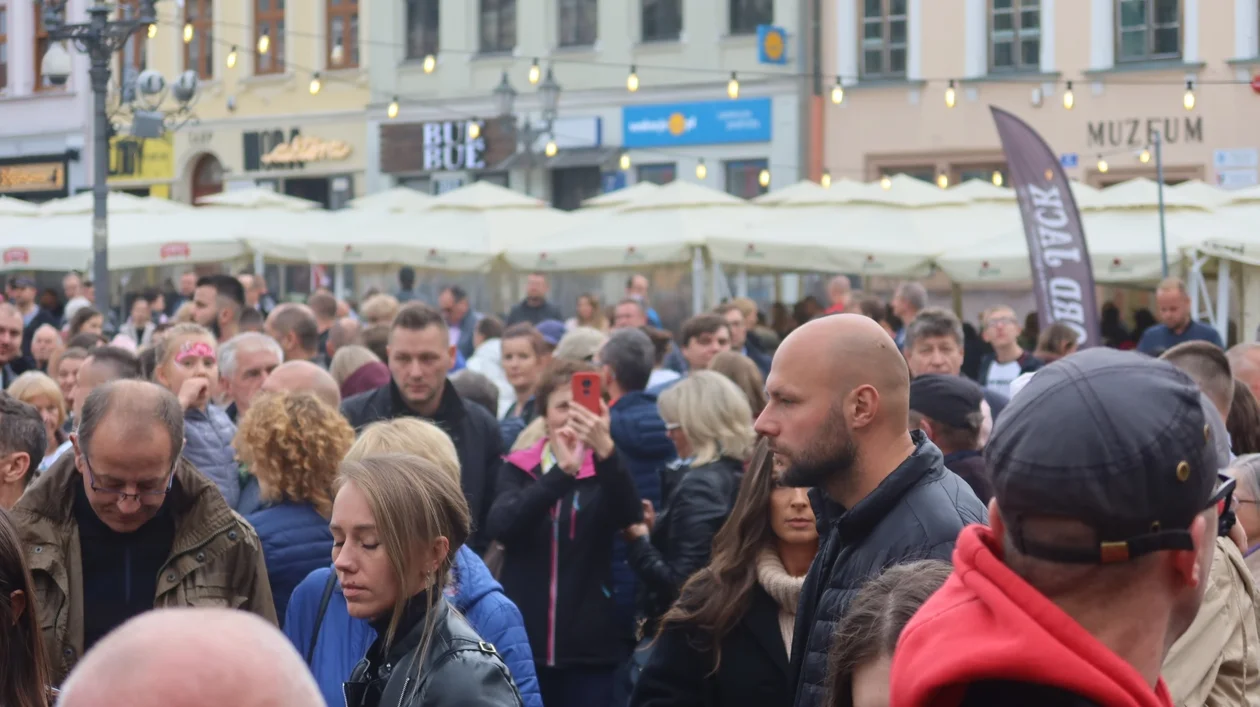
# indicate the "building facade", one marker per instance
pixel 435 124
pixel 1099 79
pixel 43 153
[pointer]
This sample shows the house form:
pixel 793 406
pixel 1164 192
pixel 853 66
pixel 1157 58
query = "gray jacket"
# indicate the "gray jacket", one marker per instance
pixel 208 446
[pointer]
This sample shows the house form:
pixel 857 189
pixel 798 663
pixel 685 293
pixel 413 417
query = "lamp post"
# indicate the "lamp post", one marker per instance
pixel 526 132
pixel 1157 141
pixel 100 38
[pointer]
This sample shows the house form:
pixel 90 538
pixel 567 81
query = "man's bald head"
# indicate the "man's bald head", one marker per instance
pixel 344 332
pixel 193 658
pixel 295 376
pixel 853 350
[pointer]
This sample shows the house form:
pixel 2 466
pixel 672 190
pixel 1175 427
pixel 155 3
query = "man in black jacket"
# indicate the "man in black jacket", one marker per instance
pixel 420 356
pixel 836 419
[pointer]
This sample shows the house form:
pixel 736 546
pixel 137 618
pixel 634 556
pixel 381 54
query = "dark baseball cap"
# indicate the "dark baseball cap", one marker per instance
pixel 23 281
pixel 946 399
pixel 552 330
pixel 1121 442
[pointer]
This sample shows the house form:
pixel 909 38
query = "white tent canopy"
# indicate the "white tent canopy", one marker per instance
pixel 258 198
pixel 394 199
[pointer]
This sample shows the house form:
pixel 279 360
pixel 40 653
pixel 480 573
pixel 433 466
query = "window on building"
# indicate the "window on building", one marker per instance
pixel 1015 35
pixel 982 172
pixel 422 28
pixel 1148 29
pixel 498 26
pixel 269 21
pixel 199 53
pixel 662 20
pixel 657 173
pixel 4 45
pixel 743 178
pixel 883 38
pixel 747 14
pixel 134 55
pixel 343 34
pixel 579 22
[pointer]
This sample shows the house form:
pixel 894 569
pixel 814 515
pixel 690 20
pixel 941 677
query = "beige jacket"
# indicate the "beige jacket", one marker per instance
pixel 1216 662
pixel 216 559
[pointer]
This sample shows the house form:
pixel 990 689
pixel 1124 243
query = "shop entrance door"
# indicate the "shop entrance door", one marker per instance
pixel 312 189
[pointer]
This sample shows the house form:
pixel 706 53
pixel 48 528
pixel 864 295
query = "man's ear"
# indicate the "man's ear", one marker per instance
pixel 926 426
pixel 1186 562
pixel 14 467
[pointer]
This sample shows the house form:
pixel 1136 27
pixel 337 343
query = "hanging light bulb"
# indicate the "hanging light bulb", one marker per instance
pixel 1069 98
pixel 474 130
pixel 152 30
pixel 264 43
pixel 316 84
pixel 701 170
pixel 1187 100
pixel 951 96
pixel 763 177
pixel 624 162
pixel 1102 165
pixel 826 179
pixel 535 73
pixel 552 148
pixel 430 63
pixel 732 86
pixel 837 92
pixel 188 32
pixel 231 58
pixel 942 180
pixel 885 182
pixel 632 81
pixel 392 111
pixel 337 54
pixel 997 178
pixel 1144 156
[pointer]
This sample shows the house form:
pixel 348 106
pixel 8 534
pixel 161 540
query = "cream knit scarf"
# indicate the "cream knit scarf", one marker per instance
pixel 782 587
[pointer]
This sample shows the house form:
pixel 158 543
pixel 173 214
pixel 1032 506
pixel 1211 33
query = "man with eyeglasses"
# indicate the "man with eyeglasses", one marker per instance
pixel 1009 360
pixel 125 525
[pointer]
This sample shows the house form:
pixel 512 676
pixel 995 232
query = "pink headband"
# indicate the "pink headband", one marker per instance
pixel 195 349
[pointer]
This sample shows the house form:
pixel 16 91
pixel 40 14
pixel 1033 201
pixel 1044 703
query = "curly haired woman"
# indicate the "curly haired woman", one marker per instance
pixel 293 443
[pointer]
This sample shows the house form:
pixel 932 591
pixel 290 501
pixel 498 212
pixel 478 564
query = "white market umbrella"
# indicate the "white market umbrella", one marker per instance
pixel 16 207
pixel 258 198
pixel 394 199
pixel 1143 193
pixel 981 190
pixel 662 227
pixel 116 202
pixel 804 191
pixel 621 197
pixel 33 243
pixel 484 196
pixel 1201 192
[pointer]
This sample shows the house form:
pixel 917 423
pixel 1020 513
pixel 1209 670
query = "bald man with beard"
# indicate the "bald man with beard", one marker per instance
pixel 839 401
pixel 192 658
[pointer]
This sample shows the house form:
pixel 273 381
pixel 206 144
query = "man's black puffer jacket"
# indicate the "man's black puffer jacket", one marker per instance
pixel 914 514
pixel 682 539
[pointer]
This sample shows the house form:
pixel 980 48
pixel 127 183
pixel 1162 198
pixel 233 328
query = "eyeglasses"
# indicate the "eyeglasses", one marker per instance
pixel 671 426
pixel 1223 492
pixel 120 495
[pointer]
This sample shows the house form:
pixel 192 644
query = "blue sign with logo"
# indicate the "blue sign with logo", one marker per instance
pixel 771 44
pixel 710 123
pixel 1069 160
pixel 612 181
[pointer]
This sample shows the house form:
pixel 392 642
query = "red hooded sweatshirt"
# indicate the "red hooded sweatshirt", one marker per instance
pixel 987 624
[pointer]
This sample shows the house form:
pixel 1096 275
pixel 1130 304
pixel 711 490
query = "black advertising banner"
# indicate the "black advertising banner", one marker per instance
pixel 1063 277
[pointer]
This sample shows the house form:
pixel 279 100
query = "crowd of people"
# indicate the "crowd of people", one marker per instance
pixel 858 505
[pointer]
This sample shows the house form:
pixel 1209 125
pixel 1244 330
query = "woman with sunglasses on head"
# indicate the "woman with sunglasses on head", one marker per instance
pixel 24 678
pixel 725 642
pixel 397 523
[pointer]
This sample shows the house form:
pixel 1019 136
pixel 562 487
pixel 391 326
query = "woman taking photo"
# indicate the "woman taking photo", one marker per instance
pixel 710 423
pixel 292 443
pixel 525 355
pixel 24 679
pixel 397 523
pixel 560 503
pixel 186 364
pixel 726 641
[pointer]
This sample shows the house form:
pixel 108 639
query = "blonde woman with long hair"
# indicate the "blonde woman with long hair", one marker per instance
pixel 708 419
pixel 397 523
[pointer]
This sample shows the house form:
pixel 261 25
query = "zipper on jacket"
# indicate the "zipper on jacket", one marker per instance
pixel 402 696
pixel 554 584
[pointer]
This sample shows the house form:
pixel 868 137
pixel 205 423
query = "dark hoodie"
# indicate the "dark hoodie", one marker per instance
pixel 988 638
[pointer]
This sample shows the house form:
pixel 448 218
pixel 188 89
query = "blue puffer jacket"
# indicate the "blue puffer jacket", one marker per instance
pixel 639 433
pixel 343 640
pixel 209 447
pixel 296 541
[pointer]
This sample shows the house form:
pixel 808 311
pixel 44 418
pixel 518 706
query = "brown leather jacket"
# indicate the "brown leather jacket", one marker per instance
pixel 216 559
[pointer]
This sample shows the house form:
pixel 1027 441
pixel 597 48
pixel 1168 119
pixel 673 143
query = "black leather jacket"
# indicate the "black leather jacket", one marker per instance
pixel 460 669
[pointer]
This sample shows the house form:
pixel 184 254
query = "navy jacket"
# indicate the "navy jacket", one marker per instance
pixel 208 446
pixel 296 541
pixel 343 640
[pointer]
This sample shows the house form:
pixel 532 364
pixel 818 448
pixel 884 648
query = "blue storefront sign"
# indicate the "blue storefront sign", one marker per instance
pixel 771 45
pixel 709 123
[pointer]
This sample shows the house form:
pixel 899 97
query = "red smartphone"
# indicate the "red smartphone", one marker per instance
pixel 586 391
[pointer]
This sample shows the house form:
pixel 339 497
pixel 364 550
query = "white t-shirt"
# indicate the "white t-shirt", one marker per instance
pixel 1000 377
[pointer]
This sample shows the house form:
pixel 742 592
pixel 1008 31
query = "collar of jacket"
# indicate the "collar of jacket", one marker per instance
pixel 196 504
pixel 856 522
pixel 450 410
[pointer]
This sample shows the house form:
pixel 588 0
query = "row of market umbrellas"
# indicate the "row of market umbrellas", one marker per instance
pixel 901 228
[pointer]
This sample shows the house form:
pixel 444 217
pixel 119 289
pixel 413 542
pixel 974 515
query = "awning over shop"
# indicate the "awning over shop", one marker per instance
pixel 566 158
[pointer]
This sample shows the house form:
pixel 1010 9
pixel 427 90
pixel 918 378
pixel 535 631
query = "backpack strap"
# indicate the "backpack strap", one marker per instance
pixel 319 617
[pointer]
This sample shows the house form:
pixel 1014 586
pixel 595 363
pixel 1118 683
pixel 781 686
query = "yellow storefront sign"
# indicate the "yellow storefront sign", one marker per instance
pixel 134 159
pixel 32 177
